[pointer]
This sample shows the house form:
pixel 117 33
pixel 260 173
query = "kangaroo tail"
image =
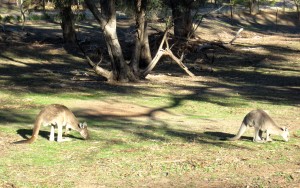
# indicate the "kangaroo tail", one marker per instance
pixel 240 133
pixel 35 132
pixel 29 141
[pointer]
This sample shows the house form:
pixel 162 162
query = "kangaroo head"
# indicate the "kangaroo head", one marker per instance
pixel 83 130
pixel 285 134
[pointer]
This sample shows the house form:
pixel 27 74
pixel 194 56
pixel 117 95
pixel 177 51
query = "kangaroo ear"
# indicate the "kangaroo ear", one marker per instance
pixel 284 129
pixel 82 125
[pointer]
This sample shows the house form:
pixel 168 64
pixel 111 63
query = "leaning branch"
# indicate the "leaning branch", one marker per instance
pixel 97 69
pixel 165 51
pixel 223 45
pixel 236 36
pixel 23 11
pixel 178 61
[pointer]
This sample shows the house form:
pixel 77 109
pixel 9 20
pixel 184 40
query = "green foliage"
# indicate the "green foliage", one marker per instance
pixel 246 2
pixel 62 3
pixel 297 2
pixel 155 5
pixel 8 19
pixel 19 18
pixel 80 16
pixel 36 17
pixel 27 3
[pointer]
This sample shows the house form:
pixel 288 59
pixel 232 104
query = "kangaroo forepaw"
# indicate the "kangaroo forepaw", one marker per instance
pixel 259 141
pixel 64 140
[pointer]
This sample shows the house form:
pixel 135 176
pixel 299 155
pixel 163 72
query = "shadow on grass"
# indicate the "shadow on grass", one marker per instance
pixel 265 22
pixel 59 72
pixel 26 134
pixel 152 129
pixel 223 136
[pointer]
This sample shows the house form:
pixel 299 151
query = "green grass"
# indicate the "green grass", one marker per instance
pixel 134 151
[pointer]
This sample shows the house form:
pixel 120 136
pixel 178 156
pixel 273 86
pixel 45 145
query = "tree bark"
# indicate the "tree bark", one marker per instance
pixel 107 20
pixel 254 6
pixel 146 57
pixel 298 11
pixel 182 18
pixel 67 24
pixel 141 51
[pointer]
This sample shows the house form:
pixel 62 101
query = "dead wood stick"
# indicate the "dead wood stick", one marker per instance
pixel 170 53
pixel 236 36
pixel 159 53
pixel 97 69
pixel 154 62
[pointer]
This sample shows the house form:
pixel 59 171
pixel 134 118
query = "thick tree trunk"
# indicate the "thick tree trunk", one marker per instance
pixel 44 5
pixel 67 24
pixel 107 20
pixel 254 6
pixel 121 71
pixel 141 53
pixel 146 57
pixel 182 18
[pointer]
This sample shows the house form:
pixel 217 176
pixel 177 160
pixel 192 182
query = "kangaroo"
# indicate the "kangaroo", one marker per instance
pixel 57 116
pixel 261 122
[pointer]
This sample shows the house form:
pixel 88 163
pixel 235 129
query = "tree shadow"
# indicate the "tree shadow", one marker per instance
pixel 264 22
pixel 153 129
pixel 223 136
pixel 26 134
pixel 56 74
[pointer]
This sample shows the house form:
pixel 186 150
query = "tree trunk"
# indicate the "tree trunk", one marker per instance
pixel 182 18
pixel 298 11
pixel 254 6
pixel 67 24
pixel 107 20
pixel 146 57
pixel 141 53
pixel 44 5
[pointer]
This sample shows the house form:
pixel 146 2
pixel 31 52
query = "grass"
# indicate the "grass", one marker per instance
pixel 163 132
pixel 136 151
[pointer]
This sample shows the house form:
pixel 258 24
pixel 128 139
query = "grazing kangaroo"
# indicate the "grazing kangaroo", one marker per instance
pixel 261 122
pixel 57 116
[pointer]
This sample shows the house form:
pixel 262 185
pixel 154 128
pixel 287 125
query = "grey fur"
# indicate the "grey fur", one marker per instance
pixel 261 122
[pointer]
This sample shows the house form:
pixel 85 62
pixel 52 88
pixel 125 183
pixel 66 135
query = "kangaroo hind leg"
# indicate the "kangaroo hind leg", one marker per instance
pixel 52 132
pixel 60 133
pixel 257 135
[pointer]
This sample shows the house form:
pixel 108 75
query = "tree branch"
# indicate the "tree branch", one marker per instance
pixel 168 52
pixel 236 36
pixel 97 69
